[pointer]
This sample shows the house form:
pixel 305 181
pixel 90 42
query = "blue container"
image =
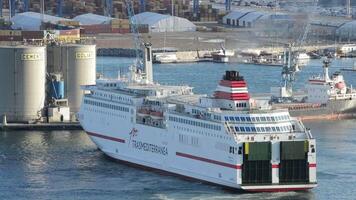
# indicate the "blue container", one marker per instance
pixel 57 89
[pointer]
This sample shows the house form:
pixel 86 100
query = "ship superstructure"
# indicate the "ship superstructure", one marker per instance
pixel 326 97
pixel 227 139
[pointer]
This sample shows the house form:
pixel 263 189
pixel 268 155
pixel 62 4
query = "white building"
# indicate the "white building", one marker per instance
pixel 164 23
pixel 31 21
pixel 249 18
pixel 92 19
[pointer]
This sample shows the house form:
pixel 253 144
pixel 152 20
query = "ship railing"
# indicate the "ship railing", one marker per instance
pixel 343 96
pixel 230 129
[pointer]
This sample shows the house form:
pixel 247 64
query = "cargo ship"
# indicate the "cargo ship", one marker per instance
pixel 326 98
pixel 226 139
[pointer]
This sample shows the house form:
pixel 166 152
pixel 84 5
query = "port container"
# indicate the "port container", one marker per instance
pixel 22 82
pixel 37 35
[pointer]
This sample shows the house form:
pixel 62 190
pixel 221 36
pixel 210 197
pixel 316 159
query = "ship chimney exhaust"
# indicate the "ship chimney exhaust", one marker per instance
pixel 148 62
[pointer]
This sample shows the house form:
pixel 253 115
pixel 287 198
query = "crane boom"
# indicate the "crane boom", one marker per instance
pixel 307 27
pixel 135 33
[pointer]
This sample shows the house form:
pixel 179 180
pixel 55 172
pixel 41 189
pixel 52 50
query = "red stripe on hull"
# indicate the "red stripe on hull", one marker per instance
pixel 106 137
pixel 279 189
pixel 185 177
pixel 208 160
pixel 275 166
pixel 311 165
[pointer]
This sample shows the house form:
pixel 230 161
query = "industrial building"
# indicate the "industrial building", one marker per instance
pixel 163 23
pixel 42 83
pixel 347 31
pixel 249 18
pixel 22 82
pixel 32 21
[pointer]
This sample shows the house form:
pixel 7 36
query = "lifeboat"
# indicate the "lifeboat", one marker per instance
pixel 156 115
pixel 143 112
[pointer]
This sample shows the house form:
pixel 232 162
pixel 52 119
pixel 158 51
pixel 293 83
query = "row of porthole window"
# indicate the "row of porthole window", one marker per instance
pixel 263 129
pixel 257 119
pixel 195 123
pixel 106 105
pixel 203 133
pixel 107 113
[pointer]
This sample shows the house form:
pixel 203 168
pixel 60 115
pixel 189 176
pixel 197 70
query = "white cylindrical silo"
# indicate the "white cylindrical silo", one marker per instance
pixel 22 82
pixel 77 63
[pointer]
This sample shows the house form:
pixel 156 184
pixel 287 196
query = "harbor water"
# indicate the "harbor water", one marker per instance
pixel 67 165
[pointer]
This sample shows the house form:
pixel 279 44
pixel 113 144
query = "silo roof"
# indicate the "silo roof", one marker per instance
pixel 91 19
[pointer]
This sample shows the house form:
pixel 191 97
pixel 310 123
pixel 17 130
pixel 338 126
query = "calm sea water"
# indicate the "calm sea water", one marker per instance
pixel 67 165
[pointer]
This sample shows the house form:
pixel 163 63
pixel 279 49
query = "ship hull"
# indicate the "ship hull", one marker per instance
pixel 193 177
pixel 337 109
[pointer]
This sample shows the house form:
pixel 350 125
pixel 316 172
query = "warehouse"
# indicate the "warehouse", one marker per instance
pixel 347 31
pixel 92 19
pixel 249 18
pixel 163 23
pixel 233 17
pixel 31 21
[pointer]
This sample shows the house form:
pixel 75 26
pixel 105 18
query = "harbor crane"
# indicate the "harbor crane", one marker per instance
pixel 12 7
pixel 108 8
pixel 135 33
pixel 1 5
pixel 290 64
pixel 60 8
pixel 142 6
pixel 26 5
pixel 228 5
pixel 196 10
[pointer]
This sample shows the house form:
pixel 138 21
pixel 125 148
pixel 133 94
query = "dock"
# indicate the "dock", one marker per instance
pixel 41 126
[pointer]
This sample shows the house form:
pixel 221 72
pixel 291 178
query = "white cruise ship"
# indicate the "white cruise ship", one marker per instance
pixel 226 139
